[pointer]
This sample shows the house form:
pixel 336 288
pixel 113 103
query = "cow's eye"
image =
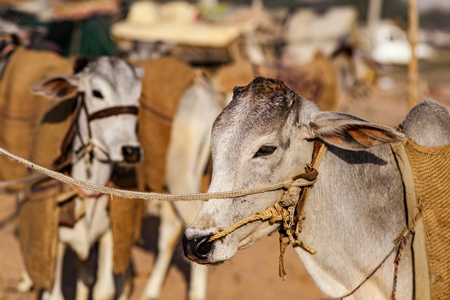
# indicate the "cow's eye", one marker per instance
pixel 97 94
pixel 265 151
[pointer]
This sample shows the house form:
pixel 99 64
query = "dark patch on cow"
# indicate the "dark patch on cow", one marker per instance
pixel 286 144
pixel 363 157
pixel 80 64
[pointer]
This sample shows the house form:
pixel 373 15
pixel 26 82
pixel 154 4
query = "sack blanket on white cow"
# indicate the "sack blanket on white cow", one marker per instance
pixel 164 82
pixel 426 177
pixel 38 226
pixel 126 220
pixel 431 171
pixel 20 110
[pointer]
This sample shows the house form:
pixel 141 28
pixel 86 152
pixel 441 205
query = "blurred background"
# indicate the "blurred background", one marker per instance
pixel 212 34
pixel 387 56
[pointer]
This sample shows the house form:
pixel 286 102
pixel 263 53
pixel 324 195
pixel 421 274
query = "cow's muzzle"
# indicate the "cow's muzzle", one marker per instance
pixel 131 154
pixel 197 249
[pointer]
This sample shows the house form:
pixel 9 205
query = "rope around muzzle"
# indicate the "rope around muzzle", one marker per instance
pixel 279 211
pixel 289 210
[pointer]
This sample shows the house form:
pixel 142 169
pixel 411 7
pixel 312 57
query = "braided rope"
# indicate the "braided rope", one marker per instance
pixel 399 246
pixel 156 196
pixel 273 214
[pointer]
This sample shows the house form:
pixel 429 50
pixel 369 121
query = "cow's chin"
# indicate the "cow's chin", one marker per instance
pixel 225 249
pixel 263 230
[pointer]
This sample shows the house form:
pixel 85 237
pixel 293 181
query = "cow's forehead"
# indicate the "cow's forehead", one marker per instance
pixel 117 72
pixel 261 105
pixel 261 88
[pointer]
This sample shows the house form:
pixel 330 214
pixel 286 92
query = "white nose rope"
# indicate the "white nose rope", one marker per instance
pixel 155 196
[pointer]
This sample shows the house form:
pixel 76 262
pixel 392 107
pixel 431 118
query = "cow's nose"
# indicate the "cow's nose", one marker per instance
pixel 197 249
pixel 131 154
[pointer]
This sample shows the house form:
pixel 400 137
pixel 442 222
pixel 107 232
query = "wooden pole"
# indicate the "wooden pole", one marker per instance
pixel 374 12
pixel 413 70
pixel 208 3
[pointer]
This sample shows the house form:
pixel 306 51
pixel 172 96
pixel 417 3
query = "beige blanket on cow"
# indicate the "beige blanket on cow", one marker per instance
pixel 431 171
pixel 20 111
pixel 426 177
pixel 316 81
pixel 38 225
pixel 164 82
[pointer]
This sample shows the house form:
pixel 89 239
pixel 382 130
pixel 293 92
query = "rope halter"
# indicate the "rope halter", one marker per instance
pixel 289 210
pixel 87 148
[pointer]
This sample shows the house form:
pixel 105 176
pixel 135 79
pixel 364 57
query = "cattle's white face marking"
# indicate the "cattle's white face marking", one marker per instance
pixel 110 82
pixel 260 138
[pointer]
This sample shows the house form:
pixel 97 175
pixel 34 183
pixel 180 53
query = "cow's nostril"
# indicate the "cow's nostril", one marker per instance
pixel 131 154
pixel 197 248
pixel 204 247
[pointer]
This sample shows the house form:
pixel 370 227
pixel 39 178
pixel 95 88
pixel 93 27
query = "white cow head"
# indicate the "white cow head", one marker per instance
pixel 265 134
pixel 107 91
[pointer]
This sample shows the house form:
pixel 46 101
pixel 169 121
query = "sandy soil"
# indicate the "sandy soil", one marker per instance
pixel 252 273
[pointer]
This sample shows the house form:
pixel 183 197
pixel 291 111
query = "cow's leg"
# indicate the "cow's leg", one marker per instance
pixel 199 278
pixel 56 291
pixel 125 285
pixel 104 287
pixel 25 284
pixel 169 232
pixel 84 277
pixel 187 159
pixel 77 239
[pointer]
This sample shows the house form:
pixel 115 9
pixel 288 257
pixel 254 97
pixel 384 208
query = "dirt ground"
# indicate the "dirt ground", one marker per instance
pixel 252 273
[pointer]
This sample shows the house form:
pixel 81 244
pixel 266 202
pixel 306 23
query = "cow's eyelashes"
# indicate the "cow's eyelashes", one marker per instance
pixel 97 94
pixel 265 151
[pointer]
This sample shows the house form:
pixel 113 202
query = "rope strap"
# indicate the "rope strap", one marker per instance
pixel 400 243
pixel 291 181
pixel 272 214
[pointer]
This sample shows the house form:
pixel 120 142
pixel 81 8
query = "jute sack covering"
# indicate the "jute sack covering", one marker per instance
pixel 126 220
pixel 39 219
pixel 20 111
pixel 50 133
pixel 40 213
pixel 164 82
pixel 431 171
pixel 38 226
pixel 316 81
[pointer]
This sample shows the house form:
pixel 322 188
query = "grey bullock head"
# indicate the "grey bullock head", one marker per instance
pixel 108 90
pixel 265 134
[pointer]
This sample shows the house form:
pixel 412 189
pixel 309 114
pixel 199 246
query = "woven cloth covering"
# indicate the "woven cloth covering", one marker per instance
pixel 20 111
pixel 164 82
pixel 431 171
pixel 126 219
pixel 38 228
pixel 49 135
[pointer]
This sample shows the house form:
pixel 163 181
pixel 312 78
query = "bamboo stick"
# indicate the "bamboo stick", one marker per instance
pixel 413 70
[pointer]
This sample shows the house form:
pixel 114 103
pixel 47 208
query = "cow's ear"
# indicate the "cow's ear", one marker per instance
pixel 57 88
pixel 349 132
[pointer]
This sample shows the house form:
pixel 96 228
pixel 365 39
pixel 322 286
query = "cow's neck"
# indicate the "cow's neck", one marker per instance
pixel 353 214
pixel 84 167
